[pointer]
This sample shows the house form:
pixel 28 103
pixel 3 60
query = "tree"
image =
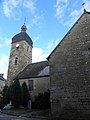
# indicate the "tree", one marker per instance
pixel 26 95
pixel 7 95
pixel 2 96
pixel 16 94
pixel 3 93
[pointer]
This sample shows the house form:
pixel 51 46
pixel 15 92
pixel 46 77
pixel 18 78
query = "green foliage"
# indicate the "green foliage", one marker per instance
pixel 2 96
pixel 26 95
pixel 7 95
pixel 16 94
pixel 42 101
pixel 3 93
pixel 1 101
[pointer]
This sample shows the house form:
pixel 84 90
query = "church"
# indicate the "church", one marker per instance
pixel 70 73
pixel 66 72
pixel 36 75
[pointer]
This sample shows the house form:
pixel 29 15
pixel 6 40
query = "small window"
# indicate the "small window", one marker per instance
pixel 89 49
pixel 16 59
pixel 30 85
pixel 27 48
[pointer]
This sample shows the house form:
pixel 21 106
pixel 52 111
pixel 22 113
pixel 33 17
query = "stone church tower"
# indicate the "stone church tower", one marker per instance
pixel 20 54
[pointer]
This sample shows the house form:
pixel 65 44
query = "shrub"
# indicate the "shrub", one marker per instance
pixel 3 93
pixel 25 95
pixel 7 95
pixel 16 94
pixel 42 101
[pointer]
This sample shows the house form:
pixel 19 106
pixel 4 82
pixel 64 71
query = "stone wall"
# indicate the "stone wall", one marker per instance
pixel 24 55
pixel 40 85
pixel 70 70
pixel 2 84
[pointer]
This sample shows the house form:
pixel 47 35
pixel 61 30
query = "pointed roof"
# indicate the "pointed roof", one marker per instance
pixel 22 36
pixel 85 12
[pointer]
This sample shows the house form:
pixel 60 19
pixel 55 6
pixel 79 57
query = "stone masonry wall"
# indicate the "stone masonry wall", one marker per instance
pixel 40 85
pixel 70 70
pixel 24 55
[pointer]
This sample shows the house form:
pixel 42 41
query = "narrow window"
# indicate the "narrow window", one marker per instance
pixel 16 59
pixel 30 85
pixel 27 48
pixel 89 51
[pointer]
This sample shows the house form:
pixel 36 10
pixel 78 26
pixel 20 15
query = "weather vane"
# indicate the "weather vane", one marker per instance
pixel 83 4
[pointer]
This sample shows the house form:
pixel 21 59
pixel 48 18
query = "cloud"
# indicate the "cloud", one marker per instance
pixel 87 4
pixel 6 8
pixel 60 6
pixel 8 41
pixel 36 39
pixel 0 45
pixel 4 65
pixel 13 7
pixel 30 4
pixel 37 20
pixel 38 55
pixel 74 15
pixel 68 15
pixel 52 44
pixel 9 6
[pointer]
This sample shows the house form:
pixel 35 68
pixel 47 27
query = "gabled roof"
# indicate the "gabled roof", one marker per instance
pixel 22 36
pixel 2 78
pixel 34 70
pixel 85 12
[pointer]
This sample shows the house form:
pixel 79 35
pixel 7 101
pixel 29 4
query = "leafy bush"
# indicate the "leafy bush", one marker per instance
pixel 7 95
pixel 2 96
pixel 25 95
pixel 42 101
pixel 16 94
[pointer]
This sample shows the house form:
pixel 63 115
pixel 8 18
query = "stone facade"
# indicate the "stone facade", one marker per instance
pixel 36 75
pixel 70 70
pixel 20 56
pixel 40 85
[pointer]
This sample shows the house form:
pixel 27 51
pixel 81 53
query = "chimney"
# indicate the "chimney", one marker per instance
pixel 1 74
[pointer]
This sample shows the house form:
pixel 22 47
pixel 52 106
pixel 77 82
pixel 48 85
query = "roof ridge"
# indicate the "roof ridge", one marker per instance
pixel 39 62
pixel 68 32
pixel 35 67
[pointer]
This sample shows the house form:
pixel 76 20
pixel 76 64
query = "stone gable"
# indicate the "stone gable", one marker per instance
pixel 70 69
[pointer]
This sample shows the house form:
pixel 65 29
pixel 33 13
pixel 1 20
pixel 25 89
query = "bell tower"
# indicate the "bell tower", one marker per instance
pixel 20 54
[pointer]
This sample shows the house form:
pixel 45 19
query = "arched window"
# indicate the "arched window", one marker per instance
pixel 16 59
